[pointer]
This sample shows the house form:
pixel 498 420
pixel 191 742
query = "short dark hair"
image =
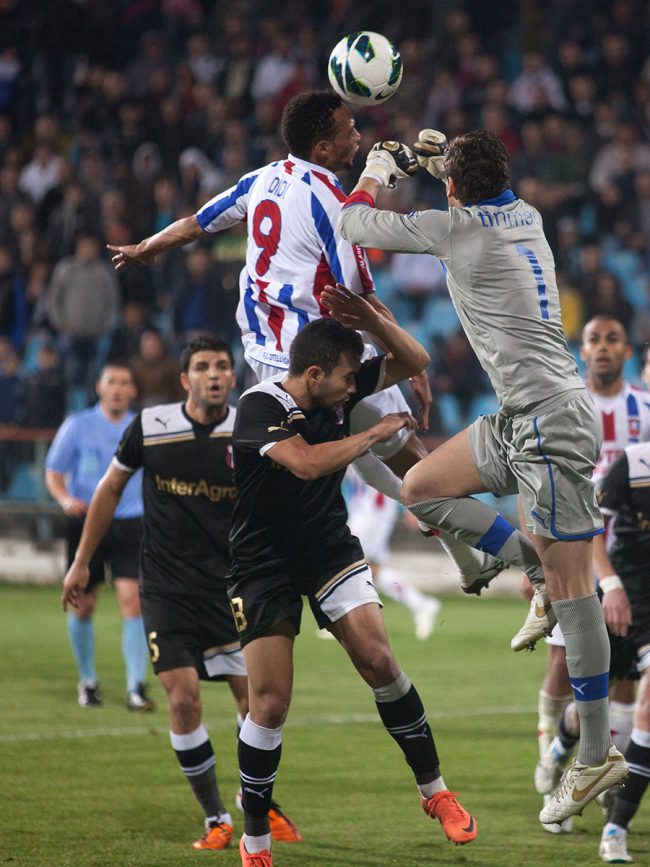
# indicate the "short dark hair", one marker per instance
pixel 309 118
pixel 605 317
pixel 479 164
pixel 121 363
pixel 204 344
pixel 322 343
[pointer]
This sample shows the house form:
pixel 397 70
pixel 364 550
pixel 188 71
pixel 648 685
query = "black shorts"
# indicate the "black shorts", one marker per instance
pixel 119 549
pixel 192 631
pixel 622 664
pixel 335 580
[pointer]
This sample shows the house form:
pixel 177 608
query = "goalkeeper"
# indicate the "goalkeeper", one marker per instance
pixel 544 441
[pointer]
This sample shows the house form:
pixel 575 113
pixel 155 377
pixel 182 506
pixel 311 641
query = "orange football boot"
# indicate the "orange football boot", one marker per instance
pixel 458 825
pixel 254 859
pixel 282 828
pixel 217 837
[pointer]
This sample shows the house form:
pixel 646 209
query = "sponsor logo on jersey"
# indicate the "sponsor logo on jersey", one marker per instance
pixel 214 493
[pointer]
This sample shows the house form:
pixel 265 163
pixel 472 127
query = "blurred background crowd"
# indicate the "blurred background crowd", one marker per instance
pixel 118 118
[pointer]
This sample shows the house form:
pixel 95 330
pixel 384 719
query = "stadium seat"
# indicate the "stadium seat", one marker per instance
pixel 23 484
pixel 440 317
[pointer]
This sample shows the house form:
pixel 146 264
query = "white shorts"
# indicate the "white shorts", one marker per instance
pixel 221 661
pixel 365 414
pixel 341 595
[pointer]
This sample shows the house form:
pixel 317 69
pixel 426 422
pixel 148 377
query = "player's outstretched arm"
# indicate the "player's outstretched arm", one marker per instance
pixel 177 234
pixel 98 519
pixel 309 462
pixel 405 357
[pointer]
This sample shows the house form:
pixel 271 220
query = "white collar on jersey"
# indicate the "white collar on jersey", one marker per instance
pixel 313 167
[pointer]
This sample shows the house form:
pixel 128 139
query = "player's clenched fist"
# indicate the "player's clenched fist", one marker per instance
pixel 392 422
pixel 430 151
pixel 388 162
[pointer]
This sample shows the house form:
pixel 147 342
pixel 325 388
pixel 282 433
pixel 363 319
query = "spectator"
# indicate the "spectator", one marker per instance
pixel 625 152
pixel 83 303
pixel 155 371
pixel 417 279
pixel 44 391
pixel 456 371
pixel 13 302
pixel 195 306
pixel 42 173
pixel 10 388
pixel 536 86
pixel 124 339
pixel 608 299
pixel 204 64
pixel 77 212
pixel 275 70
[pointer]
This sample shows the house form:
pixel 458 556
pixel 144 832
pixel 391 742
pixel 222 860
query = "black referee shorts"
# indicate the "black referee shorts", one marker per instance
pixel 119 549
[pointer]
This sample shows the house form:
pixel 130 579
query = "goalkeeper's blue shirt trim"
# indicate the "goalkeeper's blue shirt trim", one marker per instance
pixel 504 198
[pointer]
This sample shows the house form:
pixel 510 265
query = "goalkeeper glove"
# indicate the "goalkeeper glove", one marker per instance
pixel 388 162
pixel 430 151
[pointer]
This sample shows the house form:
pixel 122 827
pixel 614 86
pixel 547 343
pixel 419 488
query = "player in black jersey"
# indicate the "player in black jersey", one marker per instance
pixel 188 489
pixel 290 538
pixel 626 493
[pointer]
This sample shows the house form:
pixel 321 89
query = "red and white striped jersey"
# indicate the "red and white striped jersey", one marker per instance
pixel 293 251
pixel 625 419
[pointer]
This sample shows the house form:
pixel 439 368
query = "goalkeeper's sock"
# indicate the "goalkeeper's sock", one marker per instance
pixel 479 526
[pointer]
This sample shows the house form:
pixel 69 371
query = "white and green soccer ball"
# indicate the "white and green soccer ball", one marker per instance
pixel 365 68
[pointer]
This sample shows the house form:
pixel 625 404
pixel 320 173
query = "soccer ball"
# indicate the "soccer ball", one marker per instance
pixel 365 68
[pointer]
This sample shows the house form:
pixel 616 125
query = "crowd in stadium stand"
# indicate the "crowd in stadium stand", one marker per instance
pixel 118 118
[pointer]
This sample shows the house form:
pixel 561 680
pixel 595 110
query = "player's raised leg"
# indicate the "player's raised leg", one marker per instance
pixel 384 468
pixel 437 491
pixel 363 635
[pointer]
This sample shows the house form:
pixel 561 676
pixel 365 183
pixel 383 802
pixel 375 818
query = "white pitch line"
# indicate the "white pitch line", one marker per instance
pixel 296 722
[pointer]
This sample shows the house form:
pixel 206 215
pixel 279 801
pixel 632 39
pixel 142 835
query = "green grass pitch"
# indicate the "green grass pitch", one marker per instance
pixel 93 787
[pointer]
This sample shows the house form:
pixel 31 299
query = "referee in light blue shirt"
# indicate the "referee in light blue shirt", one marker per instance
pixel 78 458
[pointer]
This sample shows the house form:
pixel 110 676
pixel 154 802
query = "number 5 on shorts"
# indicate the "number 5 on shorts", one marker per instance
pixel 154 650
pixel 237 606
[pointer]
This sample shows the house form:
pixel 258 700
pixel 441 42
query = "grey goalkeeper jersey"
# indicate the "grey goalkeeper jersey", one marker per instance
pixel 501 278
